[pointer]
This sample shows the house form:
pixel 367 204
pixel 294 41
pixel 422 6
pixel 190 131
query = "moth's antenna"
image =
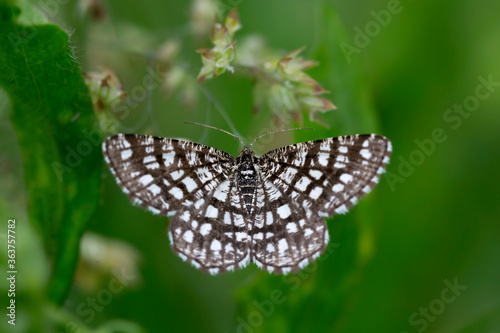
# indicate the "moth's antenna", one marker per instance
pixel 280 131
pixel 218 129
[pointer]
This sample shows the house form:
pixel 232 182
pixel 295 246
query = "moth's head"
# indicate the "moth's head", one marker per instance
pixel 247 151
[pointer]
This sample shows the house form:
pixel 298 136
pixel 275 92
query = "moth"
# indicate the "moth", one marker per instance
pixel 228 212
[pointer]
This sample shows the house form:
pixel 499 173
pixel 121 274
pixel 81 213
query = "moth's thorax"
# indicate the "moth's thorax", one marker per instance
pixel 247 176
pixel 246 167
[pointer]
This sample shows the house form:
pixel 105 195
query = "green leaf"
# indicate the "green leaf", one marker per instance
pixel 55 124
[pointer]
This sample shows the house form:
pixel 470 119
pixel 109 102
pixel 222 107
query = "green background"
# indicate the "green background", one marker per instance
pixel 432 221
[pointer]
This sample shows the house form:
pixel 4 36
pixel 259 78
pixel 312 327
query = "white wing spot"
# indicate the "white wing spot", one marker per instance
pixel 346 178
pixel 325 145
pixel 222 191
pixel 343 149
pixel 198 203
pixel 185 216
pixel 235 200
pixel 304 263
pixel 323 158
pixel 205 229
pixel 188 236
pixel 125 143
pixel 258 236
pixel 316 174
pixel 241 236
pixel 342 159
pixel 341 210
pixel 272 191
pixel 258 221
pixel 282 246
pixel 153 210
pixel 149 159
pixel 269 218
pixel 316 192
pixel 270 248
pixel 216 245
pixel 212 212
pixel 238 220
pixel 153 166
pixel 289 174
pixel 284 211
pixel 300 158
pixel 176 174
pixel 365 153
pixel 168 158
pixel 146 180
pixel 155 189
pixel 204 174
pixel 176 192
pixel 339 165
pixel 303 183
pixel 227 218
pixel 192 157
pixel 338 188
pixel 126 154
pixel 291 227
pixel 190 183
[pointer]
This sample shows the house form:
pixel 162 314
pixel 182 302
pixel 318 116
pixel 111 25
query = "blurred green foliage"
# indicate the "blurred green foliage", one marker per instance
pixel 419 254
pixel 55 125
